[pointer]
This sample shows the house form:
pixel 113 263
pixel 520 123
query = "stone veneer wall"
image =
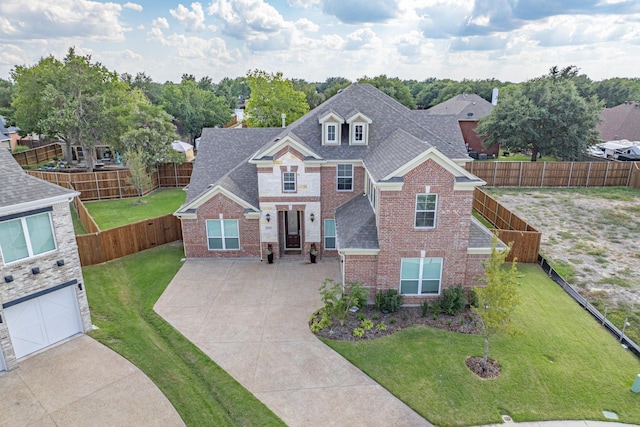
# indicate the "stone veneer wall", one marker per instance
pixel 25 283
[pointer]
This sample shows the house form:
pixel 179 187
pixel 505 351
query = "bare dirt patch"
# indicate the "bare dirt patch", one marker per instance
pixel 591 236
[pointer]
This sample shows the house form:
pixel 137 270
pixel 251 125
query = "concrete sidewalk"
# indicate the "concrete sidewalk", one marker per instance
pixel 82 383
pixel 251 318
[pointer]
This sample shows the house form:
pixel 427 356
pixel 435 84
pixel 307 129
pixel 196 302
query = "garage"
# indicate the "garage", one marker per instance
pixel 42 319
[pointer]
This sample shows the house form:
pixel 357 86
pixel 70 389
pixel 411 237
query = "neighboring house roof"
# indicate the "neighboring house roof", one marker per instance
pixel 356 225
pixel 22 191
pixel 620 122
pixel 466 106
pixel 4 131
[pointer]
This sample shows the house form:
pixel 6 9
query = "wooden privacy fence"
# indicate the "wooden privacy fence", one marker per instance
pixel 87 220
pixel 103 246
pixel 38 155
pixel 510 228
pixel 557 174
pixel 105 185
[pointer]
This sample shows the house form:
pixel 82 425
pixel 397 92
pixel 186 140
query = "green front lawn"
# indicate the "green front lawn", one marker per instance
pixel 564 366
pixel 118 212
pixel 121 296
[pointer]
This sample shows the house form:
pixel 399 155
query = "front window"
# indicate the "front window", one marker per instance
pixel 420 276
pixel 329 233
pixel 345 177
pixel 26 237
pixel 222 234
pixel 426 210
pixel 289 182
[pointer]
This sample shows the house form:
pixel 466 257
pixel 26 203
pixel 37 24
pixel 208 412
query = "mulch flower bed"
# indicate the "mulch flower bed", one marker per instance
pixel 465 323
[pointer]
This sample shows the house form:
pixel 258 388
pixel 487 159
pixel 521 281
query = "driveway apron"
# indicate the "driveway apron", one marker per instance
pixel 251 318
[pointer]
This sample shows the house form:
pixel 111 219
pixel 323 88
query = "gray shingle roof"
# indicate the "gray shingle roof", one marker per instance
pixel 356 225
pixel 21 188
pixel 223 159
pixel 396 151
pixel 480 236
pixel 464 106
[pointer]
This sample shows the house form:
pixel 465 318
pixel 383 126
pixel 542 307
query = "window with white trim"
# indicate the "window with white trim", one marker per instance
pixel 329 233
pixel 332 133
pixel 371 193
pixel 426 205
pixel 289 182
pixel 358 133
pixel 420 276
pixel 223 234
pixel 26 237
pixel 344 177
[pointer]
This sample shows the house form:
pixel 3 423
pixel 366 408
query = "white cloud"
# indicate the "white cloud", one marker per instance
pixel 304 24
pixel 52 19
pixel 244 18
pixel 305 4
pixel 361 39
pixel 133 6
pixel 191 19
pixel 160 23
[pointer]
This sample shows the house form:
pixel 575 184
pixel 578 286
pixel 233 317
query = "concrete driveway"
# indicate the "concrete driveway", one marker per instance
pixel 82 383
pixel 251 318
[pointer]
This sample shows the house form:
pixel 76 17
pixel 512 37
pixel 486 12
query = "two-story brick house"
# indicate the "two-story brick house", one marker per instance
pixel 377 186
pixel 42 296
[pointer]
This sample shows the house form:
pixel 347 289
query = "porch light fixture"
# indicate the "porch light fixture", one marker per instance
pixel 312 217
pixel 268 217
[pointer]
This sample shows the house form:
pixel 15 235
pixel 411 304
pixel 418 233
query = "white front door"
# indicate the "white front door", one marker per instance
pixel 39 322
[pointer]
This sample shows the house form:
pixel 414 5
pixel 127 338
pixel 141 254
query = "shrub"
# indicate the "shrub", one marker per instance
pixel 451 301
pixel 389 300
pixel 338 299
pixel 361 316
pixel 472 298
pixel 381 326
pixel 425 308
pixel 366 324
pixel 375 316
pixel 393 320
pixel 358 332
pixel 21 148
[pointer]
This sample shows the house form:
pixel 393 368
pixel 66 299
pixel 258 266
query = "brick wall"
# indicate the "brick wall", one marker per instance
pixel 448 240
pixel 194 231
pixel 26 283
pixel 332 198
pixel 362 268
pixel 470 136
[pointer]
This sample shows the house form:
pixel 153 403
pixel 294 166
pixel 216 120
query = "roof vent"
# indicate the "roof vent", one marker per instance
pixel 469 114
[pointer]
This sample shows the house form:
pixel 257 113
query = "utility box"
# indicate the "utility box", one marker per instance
pixel 636 385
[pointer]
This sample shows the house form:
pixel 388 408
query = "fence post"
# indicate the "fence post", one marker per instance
pixel 570 174
pixel 57 182
pixel 175 172
pixel 119 185
pixel 631 166
pixel 544 166
pixel 606 174
pixel 520 179
pixel 586 184
pixel 95 175
pixel 495 170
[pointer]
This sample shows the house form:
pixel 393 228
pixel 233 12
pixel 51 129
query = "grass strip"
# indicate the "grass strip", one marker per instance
pixel 118 212
pixel 563 366
pixel 121 296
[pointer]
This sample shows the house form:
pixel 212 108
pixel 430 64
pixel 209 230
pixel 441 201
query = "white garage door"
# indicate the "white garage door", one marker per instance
pixel 42 321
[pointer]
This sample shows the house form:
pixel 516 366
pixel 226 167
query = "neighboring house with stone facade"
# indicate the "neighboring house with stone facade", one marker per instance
pixel 42 296
pixel 377 187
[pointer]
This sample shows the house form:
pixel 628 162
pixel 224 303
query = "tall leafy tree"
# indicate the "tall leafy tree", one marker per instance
pixel 543 115
pixel 71 102
pixel 271 96
pixel 145 83
pixel 498 298
pixel 314 98
pixel 332 85
pixel 139 178
pixel 194 107
pixel 618 90
pixel 232 90
pixel 6 93
pixel 394 87
pixel 149 129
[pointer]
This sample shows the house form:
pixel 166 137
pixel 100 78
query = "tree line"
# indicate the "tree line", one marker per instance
pixel 84 103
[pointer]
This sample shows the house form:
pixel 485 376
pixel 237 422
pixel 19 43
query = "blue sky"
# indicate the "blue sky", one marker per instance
pixel 510 40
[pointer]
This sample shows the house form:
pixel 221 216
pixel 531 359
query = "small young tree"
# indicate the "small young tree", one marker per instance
pixel 498 298
pixel 139 179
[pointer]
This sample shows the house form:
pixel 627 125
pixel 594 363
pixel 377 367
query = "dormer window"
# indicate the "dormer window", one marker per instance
pixel 358 129
pixel 331 126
